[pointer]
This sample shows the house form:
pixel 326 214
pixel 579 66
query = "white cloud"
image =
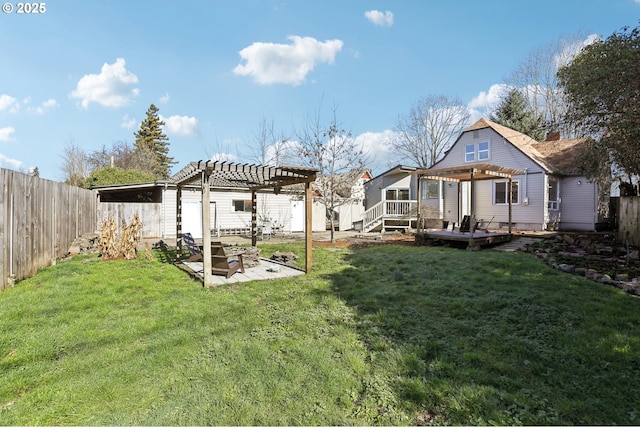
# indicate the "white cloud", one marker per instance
pixel 164 99
pixel 110 88
pixel 382 19
pixel 128 122
pixel 376 146
pixel 9 163
pixel 270 63
pixel 484 101
pixel 6 133
pixel 571 49
pixel 43 107
pixel 8 103
pixel 181 125
pixel 224 157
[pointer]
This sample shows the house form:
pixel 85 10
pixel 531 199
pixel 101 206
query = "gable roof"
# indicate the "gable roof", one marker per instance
pixel 398 169
pixel 559 157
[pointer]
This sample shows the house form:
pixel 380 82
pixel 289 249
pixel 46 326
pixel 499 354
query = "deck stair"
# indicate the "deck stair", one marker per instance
pixel 390 214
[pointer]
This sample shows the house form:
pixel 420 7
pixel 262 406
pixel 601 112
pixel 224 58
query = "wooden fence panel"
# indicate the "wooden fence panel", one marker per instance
pixel 150 214
pixel 629 221
pixel 39 219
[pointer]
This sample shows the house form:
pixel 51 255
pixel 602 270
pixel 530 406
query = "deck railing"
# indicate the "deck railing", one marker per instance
pixel 394 209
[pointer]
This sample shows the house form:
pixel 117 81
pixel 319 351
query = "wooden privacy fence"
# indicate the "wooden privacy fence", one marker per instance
pixel 629 221
pixel 150 213
pixel 39 219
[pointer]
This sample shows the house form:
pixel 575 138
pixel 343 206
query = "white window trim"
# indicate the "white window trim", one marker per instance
pixel 476 152
pixel 473 153
pixel 554 205
pixel 506 182
pixel 488 150
pixel 246 202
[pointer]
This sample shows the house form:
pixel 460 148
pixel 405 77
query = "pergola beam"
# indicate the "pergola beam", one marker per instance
pixel 472 173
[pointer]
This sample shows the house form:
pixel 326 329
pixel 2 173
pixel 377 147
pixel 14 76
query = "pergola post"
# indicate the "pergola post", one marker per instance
pixel 179 222
pixel 206 231
pixel 472 216
pixel 254 218
pixel 509 197
pixel 308 229
pixel 419 198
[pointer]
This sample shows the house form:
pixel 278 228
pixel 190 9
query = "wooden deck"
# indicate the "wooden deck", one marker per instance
pixel 479 239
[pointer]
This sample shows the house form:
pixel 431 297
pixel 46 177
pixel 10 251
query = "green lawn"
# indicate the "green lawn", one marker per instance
pixel 378 335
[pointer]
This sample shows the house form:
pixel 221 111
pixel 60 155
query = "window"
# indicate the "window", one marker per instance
pixel 481 148
pixel 469 153
pixel 554 194
pixel 397 194
pixel 242 205
pixel 483 151
pixel 432 190
pixel 500 192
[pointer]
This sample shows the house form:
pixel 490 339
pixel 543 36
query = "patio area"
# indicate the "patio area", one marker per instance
pixel 266 270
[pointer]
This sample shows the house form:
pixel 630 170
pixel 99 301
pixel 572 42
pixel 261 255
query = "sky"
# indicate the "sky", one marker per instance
pixel 85 72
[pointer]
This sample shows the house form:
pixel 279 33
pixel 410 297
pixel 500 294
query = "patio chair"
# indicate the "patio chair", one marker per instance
pixel 195 254
pixel 266 229
pixel 465 225
pixel 223 264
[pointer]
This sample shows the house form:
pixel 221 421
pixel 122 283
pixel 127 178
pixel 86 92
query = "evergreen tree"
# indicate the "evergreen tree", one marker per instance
pixel 514 112
pixel 151 138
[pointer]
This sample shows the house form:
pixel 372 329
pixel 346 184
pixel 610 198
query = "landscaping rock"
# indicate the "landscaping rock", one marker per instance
pixel 567 268
pixel 86 243
pixel 288 258
pixel 250 256
pixel 580 271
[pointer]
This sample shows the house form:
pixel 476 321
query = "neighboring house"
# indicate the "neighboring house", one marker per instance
pixel 391 200
pixel 348 204
pixel 155 203
pixel 548 191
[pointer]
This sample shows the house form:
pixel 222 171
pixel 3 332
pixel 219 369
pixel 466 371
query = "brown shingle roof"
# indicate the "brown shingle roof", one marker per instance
pixel 558 157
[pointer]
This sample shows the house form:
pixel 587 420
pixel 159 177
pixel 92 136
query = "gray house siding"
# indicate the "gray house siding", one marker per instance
pixel 527 212
pixel 375 189
pixel 578 196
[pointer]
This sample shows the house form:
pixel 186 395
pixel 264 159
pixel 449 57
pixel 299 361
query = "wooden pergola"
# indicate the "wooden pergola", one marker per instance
pixel 471 173
pixel 256 178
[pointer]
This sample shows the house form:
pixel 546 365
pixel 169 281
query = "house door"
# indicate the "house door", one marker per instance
pixel 297 216
pixel 465 196
pixel 192 217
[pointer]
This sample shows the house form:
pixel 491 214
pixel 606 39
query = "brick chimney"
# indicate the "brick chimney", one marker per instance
pixel 553 135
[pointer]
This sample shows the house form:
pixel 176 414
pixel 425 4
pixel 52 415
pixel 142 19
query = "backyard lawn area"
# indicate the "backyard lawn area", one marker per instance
pixel 378 335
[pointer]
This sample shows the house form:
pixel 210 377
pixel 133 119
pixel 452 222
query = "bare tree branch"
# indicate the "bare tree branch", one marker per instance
pixel 429 129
